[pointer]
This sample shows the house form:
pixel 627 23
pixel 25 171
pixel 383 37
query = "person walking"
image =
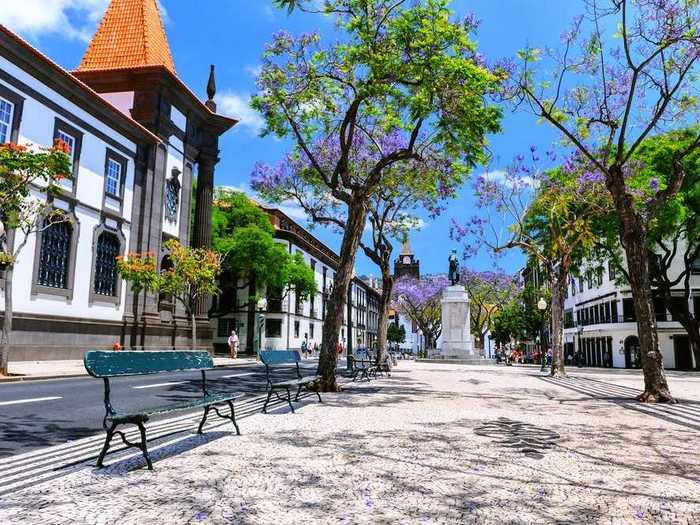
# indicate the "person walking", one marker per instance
pixel 233 344
pixel 304 347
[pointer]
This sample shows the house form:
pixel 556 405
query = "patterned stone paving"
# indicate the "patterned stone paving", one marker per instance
pixel 435 443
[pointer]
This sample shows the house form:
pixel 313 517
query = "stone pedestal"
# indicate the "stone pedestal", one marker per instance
pixel 456 336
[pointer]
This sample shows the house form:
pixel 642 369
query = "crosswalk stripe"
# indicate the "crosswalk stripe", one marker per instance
pixel 156 385
pixel 40 465
pixel 33 400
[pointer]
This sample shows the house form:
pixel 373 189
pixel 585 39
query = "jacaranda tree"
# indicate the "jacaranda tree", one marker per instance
pixel 402 84
pixel 552 216
pixel 419 300
pixel 623 72
pixel 489 291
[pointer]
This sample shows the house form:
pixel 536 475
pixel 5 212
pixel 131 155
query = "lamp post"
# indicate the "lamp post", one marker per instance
pixel 262 308
pixel 542 306
pixel 420 341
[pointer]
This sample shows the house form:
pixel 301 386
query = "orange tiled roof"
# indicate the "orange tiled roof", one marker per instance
pixel 130 35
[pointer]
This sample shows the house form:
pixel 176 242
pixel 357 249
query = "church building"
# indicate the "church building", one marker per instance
pixel 406 265
pixel 138 137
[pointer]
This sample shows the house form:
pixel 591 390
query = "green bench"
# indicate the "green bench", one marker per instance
pixel 271 359
pixel 105 365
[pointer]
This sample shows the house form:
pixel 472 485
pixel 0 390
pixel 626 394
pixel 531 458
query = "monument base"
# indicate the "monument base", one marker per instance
pixel 456 337
pixel 458 361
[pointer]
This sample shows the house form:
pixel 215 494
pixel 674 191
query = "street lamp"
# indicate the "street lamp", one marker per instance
pixel 420 341
pixel 542 306
pixel 262 308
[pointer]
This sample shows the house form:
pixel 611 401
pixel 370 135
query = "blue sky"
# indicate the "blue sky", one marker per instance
pixel 232 35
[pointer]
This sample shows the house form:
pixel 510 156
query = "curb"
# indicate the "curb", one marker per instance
pixel 17 379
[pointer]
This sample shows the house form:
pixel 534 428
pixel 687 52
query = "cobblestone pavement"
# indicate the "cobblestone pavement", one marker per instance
pixel 434 443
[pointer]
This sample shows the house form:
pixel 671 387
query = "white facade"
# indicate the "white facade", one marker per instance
pixel 46 115
pixel 599 322
pixel 287 323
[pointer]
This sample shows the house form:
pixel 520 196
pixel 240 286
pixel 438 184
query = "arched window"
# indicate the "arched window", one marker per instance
pixel 165 300
pixel 108 248
pixel 54 256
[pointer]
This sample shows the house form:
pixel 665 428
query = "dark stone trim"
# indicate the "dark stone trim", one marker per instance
pixel 18 102
pixel 18 84
pixel 598 298
pixel 48 290
pixel 61 125
pixel 124 163
pixel 97 298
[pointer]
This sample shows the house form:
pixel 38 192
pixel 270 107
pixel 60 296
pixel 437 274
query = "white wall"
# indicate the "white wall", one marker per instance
pixel 288 339
pixel 37 127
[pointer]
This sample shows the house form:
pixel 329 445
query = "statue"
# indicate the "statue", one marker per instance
pixel 454 268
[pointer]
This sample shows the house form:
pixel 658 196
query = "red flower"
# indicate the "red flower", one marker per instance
pixel 61 145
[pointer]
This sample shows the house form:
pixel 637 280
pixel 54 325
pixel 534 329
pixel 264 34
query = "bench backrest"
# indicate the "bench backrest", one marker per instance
pixel 101 363
pixel 279 357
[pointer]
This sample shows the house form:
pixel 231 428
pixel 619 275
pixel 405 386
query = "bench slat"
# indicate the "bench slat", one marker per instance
pixel 279 357
pixel 213 398
pixel 102 363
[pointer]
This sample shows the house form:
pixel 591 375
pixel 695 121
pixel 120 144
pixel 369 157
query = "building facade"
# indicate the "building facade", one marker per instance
pixel 600 327
pixel 136 136
pixel 281 323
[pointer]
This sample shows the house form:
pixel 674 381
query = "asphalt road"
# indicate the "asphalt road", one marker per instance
pixel 37 414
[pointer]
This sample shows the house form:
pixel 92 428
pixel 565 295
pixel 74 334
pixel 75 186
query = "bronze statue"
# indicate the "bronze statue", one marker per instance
pixel 454 268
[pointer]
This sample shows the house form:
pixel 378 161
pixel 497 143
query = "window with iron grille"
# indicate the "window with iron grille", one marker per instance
pixel 172 196
pixel 108 248
pixel 6 110
pixel 54 256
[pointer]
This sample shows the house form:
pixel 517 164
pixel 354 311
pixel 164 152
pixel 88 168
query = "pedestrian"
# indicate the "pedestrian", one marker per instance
pixel 569 359
pixel 549 357
pixel 314 350
pixel 233 344
pixel 305 346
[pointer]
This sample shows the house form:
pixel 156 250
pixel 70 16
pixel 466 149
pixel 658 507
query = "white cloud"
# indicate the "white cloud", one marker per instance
pixel 73 18
pixel 237 105
pixel 501 177
pixel 253 71
pixel 293 211
pixel 241 188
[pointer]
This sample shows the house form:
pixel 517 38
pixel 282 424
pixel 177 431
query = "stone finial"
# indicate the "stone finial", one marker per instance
pixel 211 90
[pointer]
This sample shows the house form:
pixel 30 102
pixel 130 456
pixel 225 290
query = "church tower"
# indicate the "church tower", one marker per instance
pixel 130 64
pixel 406 264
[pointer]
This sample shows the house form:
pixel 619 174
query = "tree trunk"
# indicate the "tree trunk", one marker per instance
pixel 694 339
pixel 681 313
pixel 250 333
pixel 384 301
pixel 6 323
pixel 635 245
pixel 557 312
pixel 193 320
pixel 357 215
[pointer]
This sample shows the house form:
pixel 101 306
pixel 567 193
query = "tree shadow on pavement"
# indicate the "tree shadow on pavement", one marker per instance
pixel 686 413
